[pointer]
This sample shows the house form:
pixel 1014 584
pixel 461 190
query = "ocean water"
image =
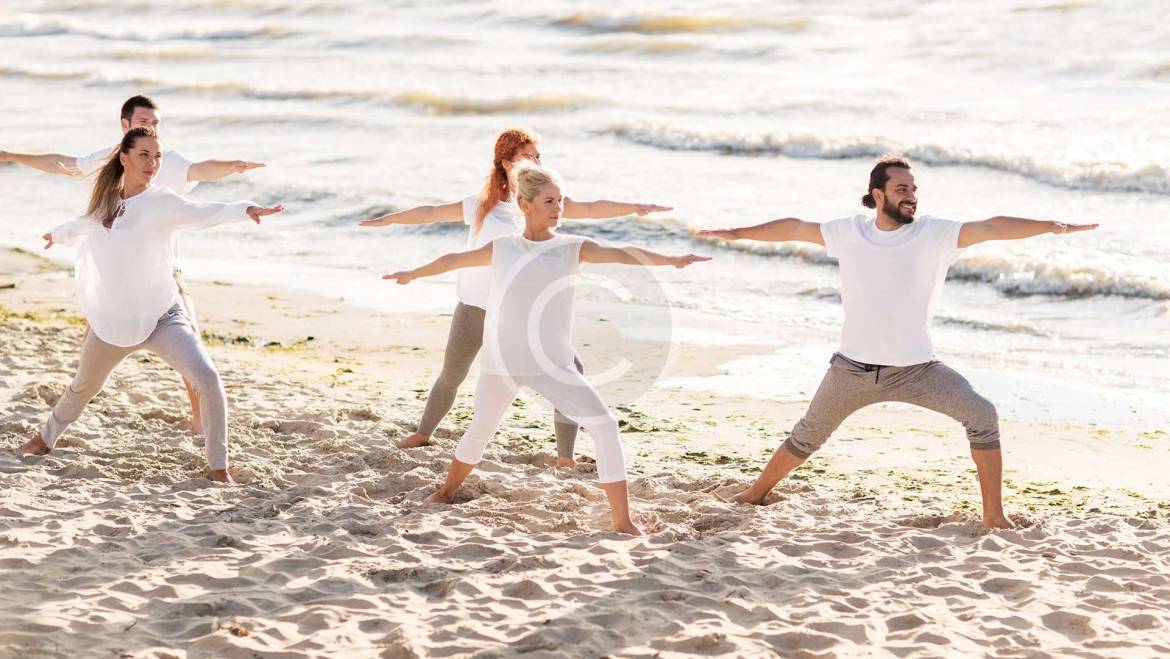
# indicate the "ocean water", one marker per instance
pixel 732 112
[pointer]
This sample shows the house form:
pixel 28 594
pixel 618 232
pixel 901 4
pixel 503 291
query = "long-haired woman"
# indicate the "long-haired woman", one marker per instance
pixel 126 290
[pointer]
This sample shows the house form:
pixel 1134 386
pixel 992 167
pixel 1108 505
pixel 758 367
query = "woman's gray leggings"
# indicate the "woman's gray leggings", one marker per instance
pixel 463 344
pixel 175 341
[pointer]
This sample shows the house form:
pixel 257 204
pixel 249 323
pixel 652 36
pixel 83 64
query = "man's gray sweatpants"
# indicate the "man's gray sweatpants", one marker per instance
pixel 850 386
pixel 175 341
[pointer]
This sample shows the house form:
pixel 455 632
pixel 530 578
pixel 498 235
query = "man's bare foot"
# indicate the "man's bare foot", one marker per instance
pixel 1000 521
pixel 745 497
pixel 626 527
pixel 222 476
pixel 566 462
pixel 440 496
pixel 35 446
pixel 414 439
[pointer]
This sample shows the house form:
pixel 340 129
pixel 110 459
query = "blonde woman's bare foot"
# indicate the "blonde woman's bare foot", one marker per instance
pixel 222 476
pixel 998 522
pixel 626 527
pixel 566 462
pixel 35 446
pixel 414 440
pixel 440 497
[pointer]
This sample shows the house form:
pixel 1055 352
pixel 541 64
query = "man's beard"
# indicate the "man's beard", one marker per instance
pixel 896 213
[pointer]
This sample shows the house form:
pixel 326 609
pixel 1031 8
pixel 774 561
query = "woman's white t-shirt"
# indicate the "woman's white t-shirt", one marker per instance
pixel 529 325
pixel 474 285
pixel 124 274
pixel 890 283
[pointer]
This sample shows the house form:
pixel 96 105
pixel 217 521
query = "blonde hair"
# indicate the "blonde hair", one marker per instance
pixel 530 178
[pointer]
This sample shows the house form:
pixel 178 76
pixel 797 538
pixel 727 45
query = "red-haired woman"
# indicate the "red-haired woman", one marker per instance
pixel 489 215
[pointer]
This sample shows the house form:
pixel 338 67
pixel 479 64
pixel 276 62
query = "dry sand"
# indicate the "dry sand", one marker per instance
pixel 115 544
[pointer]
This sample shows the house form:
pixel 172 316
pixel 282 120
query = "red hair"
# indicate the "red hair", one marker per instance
pixel 498 187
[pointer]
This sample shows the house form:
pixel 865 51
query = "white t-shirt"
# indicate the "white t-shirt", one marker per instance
pixel 528 329
pixel 890 282
pixel 172 173
pixel 123 274
pixel 474 285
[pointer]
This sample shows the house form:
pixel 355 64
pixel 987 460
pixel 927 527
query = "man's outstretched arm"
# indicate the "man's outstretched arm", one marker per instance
pixel 1002 227
pixel 213 170
pixel 53 163
pixel 776 231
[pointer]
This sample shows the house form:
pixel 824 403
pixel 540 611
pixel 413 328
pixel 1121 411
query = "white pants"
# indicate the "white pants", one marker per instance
pixel 569 392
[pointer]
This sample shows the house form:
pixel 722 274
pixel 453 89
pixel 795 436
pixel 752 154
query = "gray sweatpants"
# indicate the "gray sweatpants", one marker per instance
pixel 463 343
pixel 850 386
pixel 175 341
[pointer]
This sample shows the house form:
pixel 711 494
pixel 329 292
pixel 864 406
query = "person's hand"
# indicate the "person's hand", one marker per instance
pixel 242 166
pixel 1061 227
pixel 687 259
pixel 5 156
pixel 48 238
pixel 257 212
pixel 646 209
pixel 401 277
pixel 376 222
pixel 721 234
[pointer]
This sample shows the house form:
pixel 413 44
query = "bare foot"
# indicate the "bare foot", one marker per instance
pixel 440 496
pixel 35 446
pixel 414 439
pixel 566 462
pixel 222 476
pixel 626 527
pixel 1000 521
pixel 743 497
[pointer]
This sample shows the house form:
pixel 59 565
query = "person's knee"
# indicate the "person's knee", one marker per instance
pixel 982 424
pixel 807 437
pixel 206 380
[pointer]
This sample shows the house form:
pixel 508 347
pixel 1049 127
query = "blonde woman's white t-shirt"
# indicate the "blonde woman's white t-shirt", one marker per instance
pixel 890 284
pixel 528 329
pixel 474 285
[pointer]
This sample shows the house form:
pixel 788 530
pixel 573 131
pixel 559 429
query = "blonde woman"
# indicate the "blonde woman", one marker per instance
pixel 528 332
pixel 490 214
pixel 126 290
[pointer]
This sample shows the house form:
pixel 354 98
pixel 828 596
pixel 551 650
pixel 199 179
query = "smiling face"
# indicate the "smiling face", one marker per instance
pixel 142 118
pixel 544 211
pixel 898 200
pixel 141 162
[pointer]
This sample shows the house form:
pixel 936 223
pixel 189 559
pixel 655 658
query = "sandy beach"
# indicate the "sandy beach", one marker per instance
pixel 116 545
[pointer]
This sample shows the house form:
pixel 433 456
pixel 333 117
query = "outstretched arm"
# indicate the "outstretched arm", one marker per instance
pixel 213 170
pixel 445 263
pixel 776 231
pixel 592 252
pixel 53 163
pixel 1002 227
pixel 452 212
pixel 604 210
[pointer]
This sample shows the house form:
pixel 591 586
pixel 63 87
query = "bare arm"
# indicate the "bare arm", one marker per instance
pixel 603 209
pixel 213 170
pixel 53 163
pixel 592 252
pixel 452 212
pixel 1002 227
pixel 445 263
pixel 776 231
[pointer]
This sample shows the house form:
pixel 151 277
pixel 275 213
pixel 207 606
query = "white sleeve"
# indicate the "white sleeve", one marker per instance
pixel 470 205
pixel 947 234
pixel 182 214
pixel 573 252
pixel 71 231
pixel 181 164
pixel 90 163
pixel 835 233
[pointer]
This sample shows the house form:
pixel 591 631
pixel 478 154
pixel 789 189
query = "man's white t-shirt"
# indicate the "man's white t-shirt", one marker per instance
pixel 890 283
pixel 528 329
pixel 474 285
pixel 172 173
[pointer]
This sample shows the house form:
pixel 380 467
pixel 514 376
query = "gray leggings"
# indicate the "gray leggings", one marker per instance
pixel 175 341
pixel 463 344
pixel 850 386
